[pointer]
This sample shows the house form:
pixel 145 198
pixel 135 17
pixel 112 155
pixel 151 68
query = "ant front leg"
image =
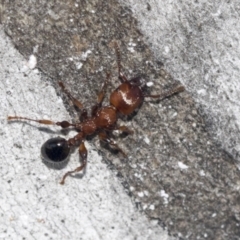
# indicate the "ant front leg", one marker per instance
pixel 75 102
pixel 101 96
pixel 84 115
pixel 105 138
pixel 102 93
pixel 63 124
pixel 83 155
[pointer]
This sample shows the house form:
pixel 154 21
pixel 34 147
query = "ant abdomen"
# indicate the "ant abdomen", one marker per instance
pixel 55 152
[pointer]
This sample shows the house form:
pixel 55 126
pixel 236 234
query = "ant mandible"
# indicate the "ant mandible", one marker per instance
pixel 103 120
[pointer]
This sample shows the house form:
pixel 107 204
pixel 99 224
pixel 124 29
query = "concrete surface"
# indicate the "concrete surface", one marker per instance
pixel 198 42
pixel 175 171
pixel 33 203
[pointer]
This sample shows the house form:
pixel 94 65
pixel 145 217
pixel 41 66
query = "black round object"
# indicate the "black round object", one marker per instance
pixel 55 150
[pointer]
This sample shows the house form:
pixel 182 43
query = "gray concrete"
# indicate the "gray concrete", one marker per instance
pixel 175 171
pixel 33 203
pixel 198 42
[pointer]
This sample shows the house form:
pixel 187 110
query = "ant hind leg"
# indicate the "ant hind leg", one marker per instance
pixel 83 155
pixel 105 138
pixel 63 124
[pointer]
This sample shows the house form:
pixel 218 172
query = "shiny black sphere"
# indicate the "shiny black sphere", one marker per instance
pixel 55 150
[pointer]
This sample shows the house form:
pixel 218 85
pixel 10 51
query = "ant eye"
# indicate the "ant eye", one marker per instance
pixel 137 81
pixel 55 151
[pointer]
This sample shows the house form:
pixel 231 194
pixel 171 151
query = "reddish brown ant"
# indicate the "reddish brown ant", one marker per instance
pixel 123 100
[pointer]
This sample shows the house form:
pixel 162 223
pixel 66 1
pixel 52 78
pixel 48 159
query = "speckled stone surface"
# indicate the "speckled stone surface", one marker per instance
pixel 174 171
pixel 33 204
pixel 198 42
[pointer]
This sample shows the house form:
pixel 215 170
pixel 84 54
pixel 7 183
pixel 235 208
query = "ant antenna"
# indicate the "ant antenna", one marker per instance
pixel 118 54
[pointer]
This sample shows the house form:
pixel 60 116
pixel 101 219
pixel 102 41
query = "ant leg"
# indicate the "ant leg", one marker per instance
pixel 121 76
pixel 170 92
pixel 84 115
pixel 101 95
pixel 95 109
pixel 83 155
pixel 105 138
pixel 75 102
pixel 124 129
pixel 63 124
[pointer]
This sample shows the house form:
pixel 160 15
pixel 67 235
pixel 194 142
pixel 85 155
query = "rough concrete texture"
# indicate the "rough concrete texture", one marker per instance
pixel 198 41
pixel 174 172
pixel 33 203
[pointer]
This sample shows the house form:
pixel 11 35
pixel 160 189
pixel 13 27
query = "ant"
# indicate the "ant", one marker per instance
pixel 124 100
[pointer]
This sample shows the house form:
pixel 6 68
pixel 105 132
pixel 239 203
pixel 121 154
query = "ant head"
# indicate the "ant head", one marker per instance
pixel 55 152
